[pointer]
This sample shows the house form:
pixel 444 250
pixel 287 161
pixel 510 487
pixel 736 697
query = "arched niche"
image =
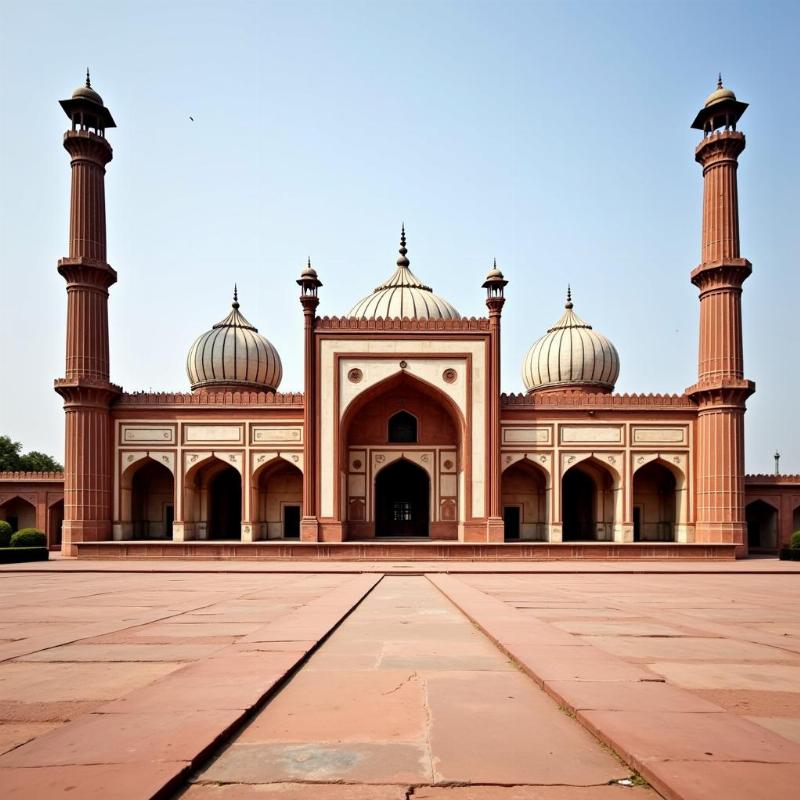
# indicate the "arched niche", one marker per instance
pixel 590 501
pixel 402 500
pixel 659 501
pixel 762 526
pixel 19 513
pixel 147 500
pixel 525 499
pixel 364 447
pixel 212 499
pixel 55 522
pixel 276 498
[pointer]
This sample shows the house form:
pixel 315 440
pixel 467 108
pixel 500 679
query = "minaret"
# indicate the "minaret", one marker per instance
pixel 721 389
pixel 85 388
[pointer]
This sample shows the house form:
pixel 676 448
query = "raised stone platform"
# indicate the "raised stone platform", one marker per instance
pixel 406 551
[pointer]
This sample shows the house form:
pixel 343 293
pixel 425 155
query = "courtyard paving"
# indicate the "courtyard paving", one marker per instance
pixel 533 684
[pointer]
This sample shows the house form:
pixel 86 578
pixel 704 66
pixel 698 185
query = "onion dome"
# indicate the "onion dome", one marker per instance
pixel 719 94
pixel 571 355
pixel 403 295
pixel 86 92
pixel 234 355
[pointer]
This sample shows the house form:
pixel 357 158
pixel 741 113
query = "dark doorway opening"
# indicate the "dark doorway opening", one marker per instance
pixel 511 522
pixel 637 523
pixel 762 526
pixel 291 522
pixel 225 501
pixel 402 499
pixel 578 506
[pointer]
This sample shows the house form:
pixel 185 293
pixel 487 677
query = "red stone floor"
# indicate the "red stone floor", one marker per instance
pixel 210 682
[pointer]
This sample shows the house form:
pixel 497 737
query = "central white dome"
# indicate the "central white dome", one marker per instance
pixel 403 295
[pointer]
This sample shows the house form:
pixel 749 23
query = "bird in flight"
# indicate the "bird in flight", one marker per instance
pixel 191 118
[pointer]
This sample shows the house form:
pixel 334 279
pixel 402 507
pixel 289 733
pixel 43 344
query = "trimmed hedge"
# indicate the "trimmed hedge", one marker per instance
pixel 5 533
pixel 16 555
pixel 29 537
pixel 795 541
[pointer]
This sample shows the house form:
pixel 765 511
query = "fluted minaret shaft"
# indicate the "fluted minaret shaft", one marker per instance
pixel 721 389
pixel 87 392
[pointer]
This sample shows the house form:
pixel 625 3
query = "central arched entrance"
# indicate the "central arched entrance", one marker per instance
pixel 225 504
pixel 402 500
pixel 588 500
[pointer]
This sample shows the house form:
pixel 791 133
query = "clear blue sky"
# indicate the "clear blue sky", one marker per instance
pixel 552 135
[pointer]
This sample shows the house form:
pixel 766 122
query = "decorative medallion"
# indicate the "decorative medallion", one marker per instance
pixel 640 460
pixel 357 464
pixel 130 458
pixel 192 459
pixel 449 375
pixel 165 435
pixel 449 464
pixel 295 458
pixel 403 364
pixel 425 458
pixel 677 459
pixel 261 458
pixel 570 459
pixel 612 460
pixel 543 459
pixel 379 459
pixel 355 375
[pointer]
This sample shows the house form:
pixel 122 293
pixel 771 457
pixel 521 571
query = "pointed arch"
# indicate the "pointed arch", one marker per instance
pixel 525 499
pixel 762 525
pixel 19 512
pixel 276 498
pixel 147 500
pixel 213 499
pixel 402 499
pixel 591 500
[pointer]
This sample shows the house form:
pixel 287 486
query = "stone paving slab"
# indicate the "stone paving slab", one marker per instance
pixel 165 716
pixel 295 791
pixel 95 782
pixel 457 713
pixel 669 734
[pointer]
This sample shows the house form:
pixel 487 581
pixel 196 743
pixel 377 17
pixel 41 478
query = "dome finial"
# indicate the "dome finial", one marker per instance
pixel 88 79
pixel 719 80
pixel 403 261
pixel 235 296
pixel 568 304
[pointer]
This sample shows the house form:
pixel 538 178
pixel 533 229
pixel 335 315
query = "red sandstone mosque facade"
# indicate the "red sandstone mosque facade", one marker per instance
pixel 401 434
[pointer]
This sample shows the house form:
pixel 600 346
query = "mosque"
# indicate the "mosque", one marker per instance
pixel 401 444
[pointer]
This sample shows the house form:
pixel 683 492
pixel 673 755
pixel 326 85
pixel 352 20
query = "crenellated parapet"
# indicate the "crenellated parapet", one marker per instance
pixel 578 399
pixel 402 324
pixel 151 399
pixel 31 476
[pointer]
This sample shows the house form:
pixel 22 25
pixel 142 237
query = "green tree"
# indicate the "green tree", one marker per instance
pixel 12 459
pixel 39 462
pixel 9 454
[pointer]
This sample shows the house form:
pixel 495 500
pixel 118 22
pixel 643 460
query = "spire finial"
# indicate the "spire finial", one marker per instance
pixel 494 263
pixel 309 262
pixel 568 304
pixel 88 79
pixel 235 296
pixel 403 261
pixel 719 80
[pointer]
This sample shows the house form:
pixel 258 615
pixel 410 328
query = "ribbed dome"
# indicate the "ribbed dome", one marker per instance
pixel 403 295
pixel 571 355
pixel 720 93
pixel 233 354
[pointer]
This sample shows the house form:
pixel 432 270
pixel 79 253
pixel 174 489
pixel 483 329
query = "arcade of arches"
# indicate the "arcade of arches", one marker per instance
pixel 213 506
pixel 591 507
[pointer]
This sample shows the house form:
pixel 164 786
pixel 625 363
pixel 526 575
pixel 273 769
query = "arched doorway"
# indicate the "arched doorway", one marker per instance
pixel 523 491
pixel 55 524
pixel 276 505
pixel 225 505
pixel 402 416
pixel 588 502
pixel 796 520
pixel 19 513
pixel 654 503
pixel 762 526
pixel 402 500
pixel 212 501
pixel 152 501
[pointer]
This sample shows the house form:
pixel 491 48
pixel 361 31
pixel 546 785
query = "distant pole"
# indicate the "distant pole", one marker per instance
pixel 777 458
